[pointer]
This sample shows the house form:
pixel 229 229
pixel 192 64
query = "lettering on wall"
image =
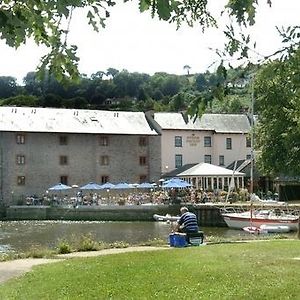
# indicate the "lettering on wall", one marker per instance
pixel 193 140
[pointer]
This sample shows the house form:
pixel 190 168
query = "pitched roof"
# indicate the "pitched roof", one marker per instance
pixel 175 172
pixel 204 169
pixel 30 119
pixel 221 123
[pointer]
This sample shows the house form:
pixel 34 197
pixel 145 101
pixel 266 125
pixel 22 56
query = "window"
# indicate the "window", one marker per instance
pixel 178 141
pixel 63 140
pixel 143 160
pixel 248 142
pixel 63 160
pixel 21 180
pixel 228 143
pixel 103 141
pixel 143 178
pixel 104 179
pixel 248 156
pixel 104 160
pixel 20 138
pixel 143 141
pixel 221 160
pixel 207 141
pixel 20 159
pixel 178 160
pixel 207 159
pixel 64 179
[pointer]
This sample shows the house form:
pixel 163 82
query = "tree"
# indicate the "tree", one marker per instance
pixel 277 87
pixel 48 21
pixel 187 68
pixel 21 100
pixel 8 86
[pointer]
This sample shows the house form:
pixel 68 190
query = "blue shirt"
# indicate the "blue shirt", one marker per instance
pixel 189 222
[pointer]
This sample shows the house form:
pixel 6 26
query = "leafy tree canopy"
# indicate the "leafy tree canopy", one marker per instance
pixel 278 133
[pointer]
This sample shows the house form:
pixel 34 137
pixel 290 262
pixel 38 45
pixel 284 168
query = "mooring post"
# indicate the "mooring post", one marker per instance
pixel 299 226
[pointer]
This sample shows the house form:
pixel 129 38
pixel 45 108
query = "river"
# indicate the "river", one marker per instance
pixel 23 235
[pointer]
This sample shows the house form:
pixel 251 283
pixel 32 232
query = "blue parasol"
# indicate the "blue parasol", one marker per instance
pixel 145 185
pixel 122 186
pixel 106 185
pixel 91 186
pixel 60 187
pixel 176 183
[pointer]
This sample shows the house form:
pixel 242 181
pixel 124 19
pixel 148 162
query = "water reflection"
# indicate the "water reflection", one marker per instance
pixel 22 235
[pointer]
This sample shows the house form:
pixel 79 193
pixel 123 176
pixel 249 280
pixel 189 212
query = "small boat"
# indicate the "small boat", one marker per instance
pixel 275 229
pixel 167 217
pixel 267 229
pixel 257 218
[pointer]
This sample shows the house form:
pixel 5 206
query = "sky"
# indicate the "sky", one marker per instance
pixel 136 42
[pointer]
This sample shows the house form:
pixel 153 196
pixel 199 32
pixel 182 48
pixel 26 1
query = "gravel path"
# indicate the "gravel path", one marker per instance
pixel 18 267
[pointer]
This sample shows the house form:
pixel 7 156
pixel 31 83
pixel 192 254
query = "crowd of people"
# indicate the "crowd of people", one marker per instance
pixel 133 197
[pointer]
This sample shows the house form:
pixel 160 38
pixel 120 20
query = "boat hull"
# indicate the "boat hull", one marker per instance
pixel 241 220
pixel 165 218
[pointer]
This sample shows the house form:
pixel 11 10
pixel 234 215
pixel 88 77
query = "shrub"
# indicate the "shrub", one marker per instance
pixel 86 243
pixel 64 247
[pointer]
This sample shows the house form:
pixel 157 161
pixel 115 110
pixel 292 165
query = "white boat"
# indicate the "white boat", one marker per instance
pixel 257 218
pixel 275 229
pixel 267 229
pixel 165 218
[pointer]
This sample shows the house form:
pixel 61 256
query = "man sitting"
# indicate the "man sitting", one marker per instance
pixel 188 221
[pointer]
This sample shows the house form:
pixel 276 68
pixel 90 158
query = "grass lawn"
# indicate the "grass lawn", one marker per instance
pixel 256 270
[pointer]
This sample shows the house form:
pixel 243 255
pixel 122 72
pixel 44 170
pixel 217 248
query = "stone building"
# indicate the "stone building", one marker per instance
pixel 40 147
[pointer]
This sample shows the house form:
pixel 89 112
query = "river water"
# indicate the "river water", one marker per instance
pixel 23 235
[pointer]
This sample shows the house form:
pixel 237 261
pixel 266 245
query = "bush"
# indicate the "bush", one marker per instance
pixel 64 247
pixel 86 243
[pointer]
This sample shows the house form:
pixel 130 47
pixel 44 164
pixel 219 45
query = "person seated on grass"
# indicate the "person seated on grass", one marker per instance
pixel 188 221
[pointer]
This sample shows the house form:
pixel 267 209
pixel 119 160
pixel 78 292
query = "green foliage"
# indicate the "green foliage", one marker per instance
pixel 8 87
pixel 48 22
pixel 278 133
pixel 87 243
pixel 21 100
pixel 119 245
pixel 204 271
pixel 63 247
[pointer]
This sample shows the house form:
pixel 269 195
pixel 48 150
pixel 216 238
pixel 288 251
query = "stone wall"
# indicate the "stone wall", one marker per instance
pixel 42 168
pixel 89 213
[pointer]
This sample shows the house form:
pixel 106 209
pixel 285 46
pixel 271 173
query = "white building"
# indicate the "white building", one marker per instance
pixel 217 139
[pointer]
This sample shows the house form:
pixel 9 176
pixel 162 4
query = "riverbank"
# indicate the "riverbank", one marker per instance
pixel 14 268
pixel 210 272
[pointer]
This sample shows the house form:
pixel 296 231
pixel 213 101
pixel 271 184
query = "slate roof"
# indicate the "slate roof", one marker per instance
pixel 221 123
pixel 30 119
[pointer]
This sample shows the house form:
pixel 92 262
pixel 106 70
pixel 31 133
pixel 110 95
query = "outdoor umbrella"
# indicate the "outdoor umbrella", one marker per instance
pixel 145 185
pixel 174 184
pixel 60 187
pixel 91 186
pixel 178 181
pixel 122 186
pixel 106 185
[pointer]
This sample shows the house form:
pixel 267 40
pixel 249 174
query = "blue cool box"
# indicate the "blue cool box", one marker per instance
pixel 177 240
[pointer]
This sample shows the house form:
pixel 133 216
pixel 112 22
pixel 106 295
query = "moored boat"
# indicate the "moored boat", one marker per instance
pixel 257 218
pixel 165 218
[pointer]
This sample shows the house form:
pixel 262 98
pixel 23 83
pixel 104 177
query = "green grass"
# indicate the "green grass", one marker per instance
pixel 255 270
